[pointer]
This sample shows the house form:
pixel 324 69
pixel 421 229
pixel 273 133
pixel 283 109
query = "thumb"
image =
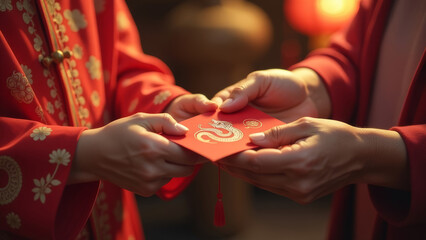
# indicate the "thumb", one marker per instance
pixel 163 123
pixel 279 136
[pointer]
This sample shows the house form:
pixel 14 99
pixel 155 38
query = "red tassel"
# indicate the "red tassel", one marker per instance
pixel 219 213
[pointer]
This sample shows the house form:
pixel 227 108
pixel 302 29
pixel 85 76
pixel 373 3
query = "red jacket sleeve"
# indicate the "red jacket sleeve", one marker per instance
pixel 35 161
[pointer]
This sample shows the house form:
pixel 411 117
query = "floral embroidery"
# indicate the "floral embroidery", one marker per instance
pixel 5 5
pixel 40 133
pixel 102 226
pixel 161 97
pixel 122 21
pixel 11 189
pixel 27 72
pixel 94 67
pixel 99 6
pixel 96 100
pixel 77 51
pixel 13 220
pixel 42 185
pixel 49 107
pixel 60 156
pixel 76 19
pixel 20 87
pixel 27 8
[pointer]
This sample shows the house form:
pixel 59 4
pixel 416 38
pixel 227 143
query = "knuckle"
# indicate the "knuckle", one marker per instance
pixel 255 165
pixel 166 117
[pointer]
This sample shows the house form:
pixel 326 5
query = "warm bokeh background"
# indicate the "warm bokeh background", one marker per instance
pixel 209 44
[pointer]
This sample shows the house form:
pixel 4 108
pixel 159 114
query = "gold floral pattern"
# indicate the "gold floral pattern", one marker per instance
pixel 43 185
pixel 122 21
pixel 76 19
pixel 102 226
pixel 27 9
pixel 96 100
pixel 94 67
pixel 5 5
pixel 20 87
pixel 27 72
pixel 161 97
pixel 13 220
pixel 11 190
pixel 77 51
pixel 40 133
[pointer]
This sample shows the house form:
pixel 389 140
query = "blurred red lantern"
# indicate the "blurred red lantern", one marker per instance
pixel 319 17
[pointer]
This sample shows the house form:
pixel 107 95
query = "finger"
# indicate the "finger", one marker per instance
pixel 283 134
pixel 175 170
pixel 198 103
pixel 161 123
pixel 247 90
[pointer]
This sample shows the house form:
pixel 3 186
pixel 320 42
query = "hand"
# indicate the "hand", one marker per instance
pixel 129 153
pixel 190 105
pixel 310 158
pixel 286 95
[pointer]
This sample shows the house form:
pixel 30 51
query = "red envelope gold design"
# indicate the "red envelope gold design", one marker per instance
pixel 216 135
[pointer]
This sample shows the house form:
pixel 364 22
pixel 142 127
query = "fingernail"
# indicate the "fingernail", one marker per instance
pixel 226 103
pixel 257 136
pixel 181 127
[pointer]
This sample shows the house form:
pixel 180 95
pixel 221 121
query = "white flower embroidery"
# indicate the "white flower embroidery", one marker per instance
pixel 161 97
pixel 49 107
pixel 76 19
pixel 40 133
pixel 41 190
pixel 77 51
pixel 20 87
pixel 133 104
pixel 122 21
pixel 27 72
pixel 60 156
pixel 94 67
pixel 43 186
pixel 96 100
pixel 13 220
pixel 37 43
pixel 5 5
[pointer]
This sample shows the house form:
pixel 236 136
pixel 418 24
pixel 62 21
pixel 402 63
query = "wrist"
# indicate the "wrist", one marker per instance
pixel 85 155
pixel 317 91
pixel 385 162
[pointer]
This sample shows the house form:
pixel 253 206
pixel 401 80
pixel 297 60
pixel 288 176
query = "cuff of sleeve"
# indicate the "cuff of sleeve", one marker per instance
pixel 173 188
pixel 402 208
pixel 341 90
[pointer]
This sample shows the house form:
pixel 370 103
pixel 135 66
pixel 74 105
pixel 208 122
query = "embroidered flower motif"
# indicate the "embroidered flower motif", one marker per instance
pixel 37 43
pixel 13 220
pixel 20 87
pixel 41 190
pixel 122 21
pixel 60 156
pixel 49 108
pixel 5 5
pixel 40 133
pixel 77 51
pixel 27 72
pixel 94 67
pixel 43 186
pixel 161 97
pixel 96 100
pixel 99 6
pixel 76 19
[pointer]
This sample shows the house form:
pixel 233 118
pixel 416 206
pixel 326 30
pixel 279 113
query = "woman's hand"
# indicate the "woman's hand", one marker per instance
pixel 310 158
pixel 129 153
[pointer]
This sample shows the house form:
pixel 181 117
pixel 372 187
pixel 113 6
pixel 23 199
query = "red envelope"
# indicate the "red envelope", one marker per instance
pixel 216 135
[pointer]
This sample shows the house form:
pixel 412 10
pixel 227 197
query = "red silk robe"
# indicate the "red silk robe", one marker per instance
pixel 347 68
pixel 45 108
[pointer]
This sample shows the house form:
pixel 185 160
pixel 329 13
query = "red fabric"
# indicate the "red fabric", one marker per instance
pixel 347 67
pixel 43 111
